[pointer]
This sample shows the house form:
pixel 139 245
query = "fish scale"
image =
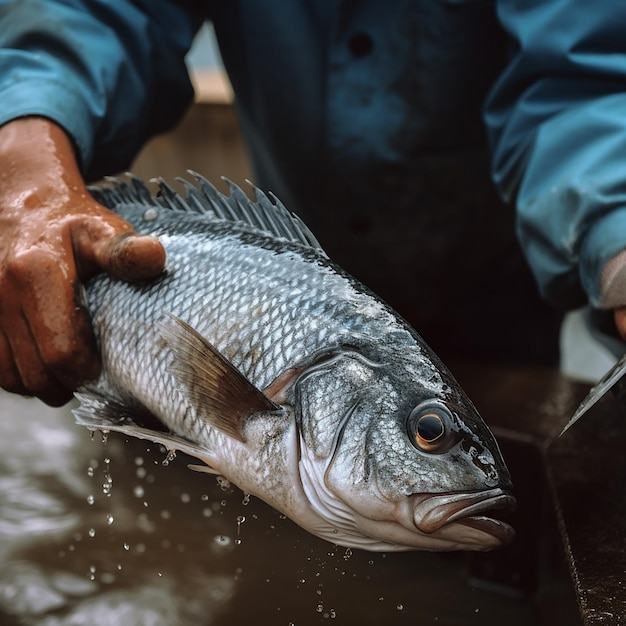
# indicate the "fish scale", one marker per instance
pixel 250 302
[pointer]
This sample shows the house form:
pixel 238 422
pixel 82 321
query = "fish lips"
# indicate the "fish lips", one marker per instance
pixel 433 512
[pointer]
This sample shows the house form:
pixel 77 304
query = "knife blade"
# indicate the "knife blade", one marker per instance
pixel 608 382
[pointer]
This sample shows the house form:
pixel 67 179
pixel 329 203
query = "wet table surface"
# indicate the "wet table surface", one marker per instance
pixel 585 469
pixel 94 533
pixel 587 472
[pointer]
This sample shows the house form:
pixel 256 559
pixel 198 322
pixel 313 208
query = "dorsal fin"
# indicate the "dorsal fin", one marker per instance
pixel 265 213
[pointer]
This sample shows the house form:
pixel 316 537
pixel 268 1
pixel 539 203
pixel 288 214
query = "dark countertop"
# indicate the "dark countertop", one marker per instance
pixel 585 472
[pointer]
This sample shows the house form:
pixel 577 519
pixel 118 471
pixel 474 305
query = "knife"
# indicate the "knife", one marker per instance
pixel 612 380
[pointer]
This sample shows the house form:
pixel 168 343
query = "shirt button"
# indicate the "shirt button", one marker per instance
pixel 360 45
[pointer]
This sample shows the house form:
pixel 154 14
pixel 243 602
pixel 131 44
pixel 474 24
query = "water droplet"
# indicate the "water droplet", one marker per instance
pixel 150 214
pixel 319 608
pixel 185 497
pixel 138 460
pixel 223 483
pixel 138 490
pixel 105 437
pixel 222 543
pixel 109 519
pixel 333 614
pixel 207 512
pixel 126 546
pixel 90 499
pixel 223 502
pixel 141 472
pixel 400 607
pixel 108 481
pixel 90 471
pixel 171 455
pixel 222 540
pixel 347 554
pixel 204 497
pixel 246 499
pixel 92 532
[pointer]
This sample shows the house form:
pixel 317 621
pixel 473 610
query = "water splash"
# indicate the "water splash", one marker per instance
pixel 222 543
pixel 108 481
pixel 171 455
pixel 240 520
pixel 223 483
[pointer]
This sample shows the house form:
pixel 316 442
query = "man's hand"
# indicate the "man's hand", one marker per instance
pixel 53 235
pixel 620 321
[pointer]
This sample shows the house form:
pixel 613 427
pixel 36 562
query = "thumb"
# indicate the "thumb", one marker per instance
pixel 130 257
pixel 114 248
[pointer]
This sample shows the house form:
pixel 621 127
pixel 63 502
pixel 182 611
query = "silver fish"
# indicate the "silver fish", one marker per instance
pixel 260 357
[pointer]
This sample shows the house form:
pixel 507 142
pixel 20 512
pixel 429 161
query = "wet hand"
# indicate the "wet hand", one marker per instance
pixel 53 236
pixel 620 321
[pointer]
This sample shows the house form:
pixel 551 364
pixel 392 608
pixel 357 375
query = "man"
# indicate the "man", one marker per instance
pixel 364 117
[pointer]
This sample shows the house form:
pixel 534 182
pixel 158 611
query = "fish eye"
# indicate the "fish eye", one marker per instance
pixel 428 428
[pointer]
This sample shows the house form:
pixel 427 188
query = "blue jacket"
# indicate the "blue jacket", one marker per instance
pixel 316 102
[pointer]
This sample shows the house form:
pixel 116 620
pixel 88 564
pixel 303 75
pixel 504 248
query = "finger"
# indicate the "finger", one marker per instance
pixel 9 376
pixel 132 257
pixel 34 375
pixel 107 243
pixel 60 327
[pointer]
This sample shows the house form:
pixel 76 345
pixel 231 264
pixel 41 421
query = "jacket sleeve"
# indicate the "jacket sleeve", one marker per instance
pixel 557 126
pixel 110 72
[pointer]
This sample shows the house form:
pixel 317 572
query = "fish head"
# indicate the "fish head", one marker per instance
pixel 394 456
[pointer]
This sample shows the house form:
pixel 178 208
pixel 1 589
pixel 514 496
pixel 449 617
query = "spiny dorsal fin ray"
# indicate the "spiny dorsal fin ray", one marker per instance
pixel 220 394
pixel 265 213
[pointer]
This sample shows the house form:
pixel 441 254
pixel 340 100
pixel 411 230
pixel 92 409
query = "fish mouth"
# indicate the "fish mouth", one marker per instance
pixel 436 511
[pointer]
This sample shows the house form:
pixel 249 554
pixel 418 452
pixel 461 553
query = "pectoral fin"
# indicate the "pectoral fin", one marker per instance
pixel 216 389
pixel 99 413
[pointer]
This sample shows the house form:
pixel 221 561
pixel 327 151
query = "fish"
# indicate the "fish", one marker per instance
pixel 258 356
